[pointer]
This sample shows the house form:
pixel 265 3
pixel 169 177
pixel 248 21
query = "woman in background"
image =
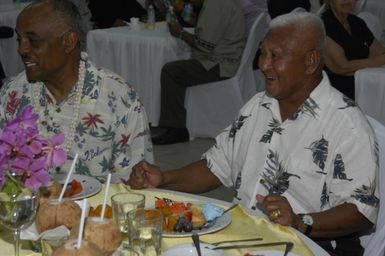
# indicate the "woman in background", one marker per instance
pixel 350 45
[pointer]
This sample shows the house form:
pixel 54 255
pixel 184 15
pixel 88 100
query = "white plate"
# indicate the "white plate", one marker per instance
pixel 189 250
pixel 270 253
pixel 90 185
pixel 220 223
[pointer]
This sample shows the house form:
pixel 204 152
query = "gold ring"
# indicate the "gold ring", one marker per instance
pixel 275 214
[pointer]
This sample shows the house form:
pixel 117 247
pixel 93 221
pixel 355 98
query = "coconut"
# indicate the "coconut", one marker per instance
pixel 53 214
pixel 69 249
pixel 52 191
pixel 105 234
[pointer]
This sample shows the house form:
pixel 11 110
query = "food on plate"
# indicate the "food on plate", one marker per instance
pixel 53 214
pixel 96 212
pixel 105 234
pixel 49 192
pixel 184 217
pixel 73 189
pixel 69 249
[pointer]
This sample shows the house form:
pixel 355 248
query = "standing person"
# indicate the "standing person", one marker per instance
pixel 99 113
pixel 301 151
pixel 217 46
pixel 251 10
pixel 350 45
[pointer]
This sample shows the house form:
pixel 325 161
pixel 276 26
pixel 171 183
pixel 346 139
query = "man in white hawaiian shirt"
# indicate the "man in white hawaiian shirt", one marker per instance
pixel 100 114
pixel 301 151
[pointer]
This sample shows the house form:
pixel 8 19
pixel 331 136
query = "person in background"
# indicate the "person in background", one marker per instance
pixel 112 13
pixel 217 46
pixel 99 113
pixel 301 151
pixel 279 7
pixel 251 10
pixel 350 45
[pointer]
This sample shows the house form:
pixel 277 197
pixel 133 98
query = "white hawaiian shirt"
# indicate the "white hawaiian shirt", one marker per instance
pixel 322 156
pixel 112 132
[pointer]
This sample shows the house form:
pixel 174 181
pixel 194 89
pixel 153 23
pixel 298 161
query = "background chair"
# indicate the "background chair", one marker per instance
pixel 374 243
pixel 213 106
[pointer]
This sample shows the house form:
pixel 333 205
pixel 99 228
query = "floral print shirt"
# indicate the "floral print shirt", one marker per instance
pixel 324 155
pixel 112 132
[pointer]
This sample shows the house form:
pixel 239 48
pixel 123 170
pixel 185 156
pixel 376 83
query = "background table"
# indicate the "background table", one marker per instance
pixel 9 57
pixel 370 92
pixel 138 56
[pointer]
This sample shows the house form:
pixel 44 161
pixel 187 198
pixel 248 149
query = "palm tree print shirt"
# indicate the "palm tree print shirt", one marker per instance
pixel 112 132
pixel 322 156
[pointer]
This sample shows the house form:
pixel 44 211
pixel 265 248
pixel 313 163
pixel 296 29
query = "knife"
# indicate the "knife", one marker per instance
pixel 240 246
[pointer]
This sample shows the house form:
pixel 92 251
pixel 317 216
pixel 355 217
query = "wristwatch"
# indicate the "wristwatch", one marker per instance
pixel 307 219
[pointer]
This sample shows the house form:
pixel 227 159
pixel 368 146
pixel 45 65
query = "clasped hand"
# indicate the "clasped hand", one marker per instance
pixel 145 175
pixel 175 28
pixel 278 209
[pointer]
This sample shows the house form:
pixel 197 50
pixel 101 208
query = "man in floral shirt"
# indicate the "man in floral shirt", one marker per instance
pixel 100 114
pixel 301 152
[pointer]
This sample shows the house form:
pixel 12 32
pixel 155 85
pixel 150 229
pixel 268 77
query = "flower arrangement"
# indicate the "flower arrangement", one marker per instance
pixel 26 156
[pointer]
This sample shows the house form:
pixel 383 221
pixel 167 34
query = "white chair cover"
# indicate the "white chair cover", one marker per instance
pixel 213 106
pixel 374 243
pixel 373 22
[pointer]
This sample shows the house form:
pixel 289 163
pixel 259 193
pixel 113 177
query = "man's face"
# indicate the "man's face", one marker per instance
pixel 282 61
pixel 41 44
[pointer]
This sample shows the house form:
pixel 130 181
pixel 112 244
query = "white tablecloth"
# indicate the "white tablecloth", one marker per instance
pixel 9 57
pixel 138 56
pixel 377 7
pixel 370 92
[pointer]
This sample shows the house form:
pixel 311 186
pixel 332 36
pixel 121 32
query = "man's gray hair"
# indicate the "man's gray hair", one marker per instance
pixel 302 20
pixel 67 11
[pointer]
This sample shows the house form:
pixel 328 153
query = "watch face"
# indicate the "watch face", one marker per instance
pixel 307 219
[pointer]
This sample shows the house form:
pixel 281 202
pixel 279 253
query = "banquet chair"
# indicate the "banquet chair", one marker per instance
pixel 213 106
pixel 374 243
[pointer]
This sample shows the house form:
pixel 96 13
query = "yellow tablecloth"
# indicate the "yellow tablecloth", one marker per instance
pixel 242 226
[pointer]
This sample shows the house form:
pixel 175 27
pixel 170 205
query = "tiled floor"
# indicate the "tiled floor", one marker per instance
pixel 177 155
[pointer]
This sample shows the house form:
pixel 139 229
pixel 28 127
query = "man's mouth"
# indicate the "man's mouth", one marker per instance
pixel 29 64
pixel 271 78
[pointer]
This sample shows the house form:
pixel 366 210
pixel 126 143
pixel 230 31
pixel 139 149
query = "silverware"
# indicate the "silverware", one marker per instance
pixel 195 238
pixel 289 246
pixel 240 246
pixel 234 241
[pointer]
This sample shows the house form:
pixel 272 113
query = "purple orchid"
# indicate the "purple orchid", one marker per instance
pixel 27 154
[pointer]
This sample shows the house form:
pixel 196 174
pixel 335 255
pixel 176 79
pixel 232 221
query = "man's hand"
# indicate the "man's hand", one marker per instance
pixel 175 29
pixel 145 175
pixel 278 209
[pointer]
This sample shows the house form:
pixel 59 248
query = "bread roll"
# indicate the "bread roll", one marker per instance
pixel 52 191
pixel 69 249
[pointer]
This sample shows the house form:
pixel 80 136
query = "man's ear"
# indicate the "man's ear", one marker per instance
pixel 313 60
pixel 70 41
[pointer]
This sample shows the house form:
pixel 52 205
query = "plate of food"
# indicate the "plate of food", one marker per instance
pixel 268 253
pixel 79 186
pixel 182 218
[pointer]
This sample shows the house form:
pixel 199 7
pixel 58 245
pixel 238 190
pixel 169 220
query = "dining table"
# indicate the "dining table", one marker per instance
pixel 138 55
pixel 241 226
pixel 9 57
pixel 370 92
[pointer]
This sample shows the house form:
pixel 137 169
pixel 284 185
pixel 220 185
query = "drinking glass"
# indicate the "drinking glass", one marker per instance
pixel 122 203
pixel 145 231
pixel 17 213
